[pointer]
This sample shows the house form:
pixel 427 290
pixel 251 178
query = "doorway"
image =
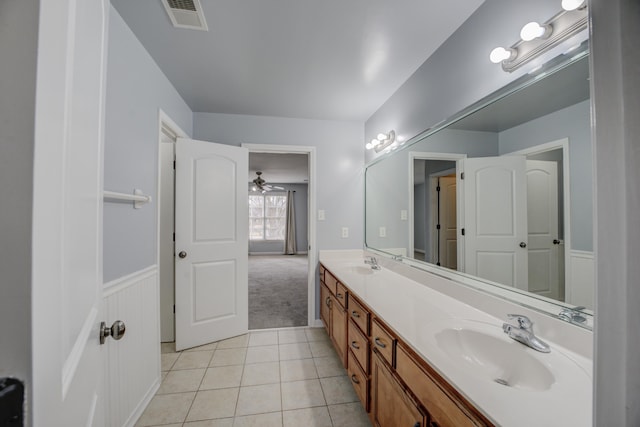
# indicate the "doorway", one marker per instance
pixel 280 233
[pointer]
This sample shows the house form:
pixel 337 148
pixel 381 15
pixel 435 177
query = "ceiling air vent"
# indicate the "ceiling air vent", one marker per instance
pixel 186 14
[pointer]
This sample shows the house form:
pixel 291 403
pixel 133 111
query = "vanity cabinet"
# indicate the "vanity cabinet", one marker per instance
pixel 333 296
pixel 391 406
pixel 395 385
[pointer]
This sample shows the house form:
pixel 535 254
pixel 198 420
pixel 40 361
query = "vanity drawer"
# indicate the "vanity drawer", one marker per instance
pixel 443 411
pixel 360 381
pixel 330 281
pixel 322 270
pixel 382 341
pixel 341 294
pixel 359 346
pixel 359 315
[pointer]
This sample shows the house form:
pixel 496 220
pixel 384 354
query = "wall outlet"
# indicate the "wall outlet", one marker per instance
pixel 403 215
pixel 383 231
pixel 345 232
pixel 320 214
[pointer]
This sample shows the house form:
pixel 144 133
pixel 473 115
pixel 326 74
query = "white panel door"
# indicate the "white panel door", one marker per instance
pixel 67 215
pixel 211 263
pixel 542 219
pixel 496 219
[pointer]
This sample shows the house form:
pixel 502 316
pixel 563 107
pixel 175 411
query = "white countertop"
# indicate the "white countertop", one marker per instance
pixel 420 314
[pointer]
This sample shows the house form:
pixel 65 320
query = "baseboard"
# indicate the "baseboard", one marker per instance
pixel 317 324
pixel 137 413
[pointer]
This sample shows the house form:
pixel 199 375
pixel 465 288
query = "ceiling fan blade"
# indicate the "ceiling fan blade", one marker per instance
pixel 278 188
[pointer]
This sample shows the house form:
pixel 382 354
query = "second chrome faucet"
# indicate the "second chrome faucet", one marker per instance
pixel 523 332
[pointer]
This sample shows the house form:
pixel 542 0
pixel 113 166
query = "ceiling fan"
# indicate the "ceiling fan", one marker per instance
pixel 262 186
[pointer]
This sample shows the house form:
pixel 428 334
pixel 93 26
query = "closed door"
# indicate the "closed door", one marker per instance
pixel 448 223
pixel 67 216
pixel 211 223
pixel 496 219
pixel 542 219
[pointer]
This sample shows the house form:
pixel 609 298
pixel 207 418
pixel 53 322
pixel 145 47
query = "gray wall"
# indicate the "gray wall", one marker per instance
pixel 459 73
pixel 419 211
pixel 18 50
pixel 615 89
pixel 136 90
pixel 574 123
pixel 300 202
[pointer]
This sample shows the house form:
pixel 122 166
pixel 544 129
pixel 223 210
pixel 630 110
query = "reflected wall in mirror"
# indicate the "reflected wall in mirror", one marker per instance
pixel 522 216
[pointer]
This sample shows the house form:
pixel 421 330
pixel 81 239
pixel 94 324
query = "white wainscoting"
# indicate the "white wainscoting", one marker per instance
pixel 132 365
pixel 582 274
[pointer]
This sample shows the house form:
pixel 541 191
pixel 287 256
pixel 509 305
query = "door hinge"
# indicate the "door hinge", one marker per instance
pixel 174 165
pixel 438 227
pixel 174 237
pixel 438 188
pixel 174 309
pixel 463 231
pixel 462 175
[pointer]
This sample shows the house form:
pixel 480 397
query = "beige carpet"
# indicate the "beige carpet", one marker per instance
pixel 277 291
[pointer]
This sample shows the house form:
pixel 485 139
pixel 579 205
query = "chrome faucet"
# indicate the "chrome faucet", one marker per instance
pixel 373 262
pixel 573 315
pixel 523 333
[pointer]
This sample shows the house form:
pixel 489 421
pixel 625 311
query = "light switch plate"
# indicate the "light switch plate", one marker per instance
pixel 320 214
pixel 403 215
pixel 383 231
pixel 345 232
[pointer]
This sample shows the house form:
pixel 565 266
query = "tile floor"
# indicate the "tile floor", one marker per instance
pixel 282 378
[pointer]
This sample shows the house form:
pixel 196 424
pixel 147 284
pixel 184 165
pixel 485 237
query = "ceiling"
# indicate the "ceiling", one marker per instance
pixel 329 59
pixel 279 168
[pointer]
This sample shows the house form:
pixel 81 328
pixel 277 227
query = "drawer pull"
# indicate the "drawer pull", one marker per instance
pixel 379 343
pixel 355 379
pixel 339 295
pixel 327 301
pixel 355 345
pixel 355 313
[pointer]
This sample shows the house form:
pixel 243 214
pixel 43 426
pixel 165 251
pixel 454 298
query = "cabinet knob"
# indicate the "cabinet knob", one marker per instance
pixel 355 379
pixel 355 345
pixel 328 302
pixel 339 295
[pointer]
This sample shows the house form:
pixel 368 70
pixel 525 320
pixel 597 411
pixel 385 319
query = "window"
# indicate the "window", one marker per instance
pixel 267 216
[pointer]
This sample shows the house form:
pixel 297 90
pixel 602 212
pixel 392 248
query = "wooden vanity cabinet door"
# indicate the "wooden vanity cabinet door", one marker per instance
pixel 443 411
pixel 359 346
pixel 390 405
pixel 339 329
pixel 325 307
pixel 330 281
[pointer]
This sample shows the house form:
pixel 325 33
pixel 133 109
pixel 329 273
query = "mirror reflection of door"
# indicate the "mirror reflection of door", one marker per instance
pixel 443 212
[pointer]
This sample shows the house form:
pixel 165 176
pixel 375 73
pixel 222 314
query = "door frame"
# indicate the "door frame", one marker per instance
pixel 312 251
pixel 562 144
pixel 166 122
pixel 425 155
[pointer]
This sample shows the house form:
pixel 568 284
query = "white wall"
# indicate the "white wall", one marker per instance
pixel 136 90
pixel 18 50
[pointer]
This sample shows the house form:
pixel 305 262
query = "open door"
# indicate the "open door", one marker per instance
pixel 542 219
pixel 67 358
pixel 495 225
pixel 211 242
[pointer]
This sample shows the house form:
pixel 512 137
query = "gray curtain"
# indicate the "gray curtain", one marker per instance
pixel 290 229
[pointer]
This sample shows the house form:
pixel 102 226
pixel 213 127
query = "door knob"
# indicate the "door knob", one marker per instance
pixel 116 331
pixel 182 254
pixel 523 245
pixel 556 241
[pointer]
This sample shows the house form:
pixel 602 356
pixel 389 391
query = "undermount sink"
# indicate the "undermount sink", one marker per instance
pixel 495 359
pixel 360 269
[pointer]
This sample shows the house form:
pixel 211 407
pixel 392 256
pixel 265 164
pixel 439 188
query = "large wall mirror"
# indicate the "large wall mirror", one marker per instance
pixel 501 195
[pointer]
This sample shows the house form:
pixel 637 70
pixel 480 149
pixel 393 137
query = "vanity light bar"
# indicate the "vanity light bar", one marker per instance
pixel 539 38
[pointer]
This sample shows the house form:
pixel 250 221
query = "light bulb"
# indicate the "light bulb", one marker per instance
pixel 500 54
pixel 375 142
pixel 533 30
pixel 572 4
pixel 368 145
pixel 382 136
